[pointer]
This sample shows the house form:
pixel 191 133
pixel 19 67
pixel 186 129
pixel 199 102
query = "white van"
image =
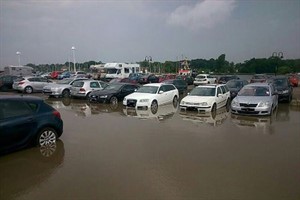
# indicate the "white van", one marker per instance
pixel 120 70
pixel 18 70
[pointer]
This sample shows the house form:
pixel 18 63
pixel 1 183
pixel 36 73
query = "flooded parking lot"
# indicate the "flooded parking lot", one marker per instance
pixel 110 152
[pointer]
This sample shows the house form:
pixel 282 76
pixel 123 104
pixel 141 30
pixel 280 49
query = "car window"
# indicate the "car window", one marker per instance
pixel 13 109
pixel 163 88
pixel 32 80
pixel 219 91
pixel 170 87
pixel 94 85
pixel 78 83
pixel 103 85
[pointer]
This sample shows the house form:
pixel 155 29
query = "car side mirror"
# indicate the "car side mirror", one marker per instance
pixel 160 92
pixel 135 90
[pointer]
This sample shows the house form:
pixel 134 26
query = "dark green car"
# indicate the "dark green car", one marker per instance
pixel 180 84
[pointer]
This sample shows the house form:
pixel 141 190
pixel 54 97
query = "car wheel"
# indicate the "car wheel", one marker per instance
pixel 154 107
pixel 175 101
pixel 65 93
pixel 214 108
pixel 46 136
pixel 87 95
pixel 28 90
pixel 227 105
pixel 114 102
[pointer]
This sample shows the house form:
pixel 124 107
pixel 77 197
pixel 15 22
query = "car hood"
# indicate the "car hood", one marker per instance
pixel 103 92
pixel 282 88
pixel 252 99
pixel 137 95
pixel 197 99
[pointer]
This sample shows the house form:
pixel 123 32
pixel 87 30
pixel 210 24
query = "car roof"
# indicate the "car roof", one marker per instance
pixel 211 85
pixel 156 84
pixel 20 97
pixel 258 84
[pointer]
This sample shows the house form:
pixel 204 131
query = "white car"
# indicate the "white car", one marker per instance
pixel 151 96
pixel 206 98
pixel 202 79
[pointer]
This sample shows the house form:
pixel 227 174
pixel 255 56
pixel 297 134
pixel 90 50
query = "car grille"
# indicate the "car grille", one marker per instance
pixel 131 102
pixel 190 103
pixel 248 105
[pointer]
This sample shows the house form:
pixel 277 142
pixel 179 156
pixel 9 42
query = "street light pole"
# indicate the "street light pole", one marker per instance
pixel 148 59
pixel 19 57
pixel 73 50
pixel 277 55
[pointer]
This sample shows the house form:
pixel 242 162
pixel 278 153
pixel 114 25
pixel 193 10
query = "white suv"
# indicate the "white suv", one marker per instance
pixel 206 98
pixel 202 79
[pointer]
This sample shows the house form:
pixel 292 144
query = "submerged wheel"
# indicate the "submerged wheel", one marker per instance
pixel 154 107
pixel 114 102
pixel 214 108
pixel 46 136
pixel 65 93
pixel 175 101
pixel 28 90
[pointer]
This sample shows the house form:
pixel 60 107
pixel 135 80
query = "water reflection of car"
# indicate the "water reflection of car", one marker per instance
pixel 61 88
pixel 23 171
pixel 212 118
pixel 26 120
pixel 150 96
pixel 283 88
pixel 255 99
pixel 235 86
pixel 163 112
pixel 260 123
pixel 113 93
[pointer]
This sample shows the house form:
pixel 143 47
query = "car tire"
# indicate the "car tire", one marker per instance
pixel 227 104
pixel 214 108
pixel 46 136
pixel 65 93
pixel 114 102
pixel 28 90
pixel 175 101
pixel 87 95
pixel 154 107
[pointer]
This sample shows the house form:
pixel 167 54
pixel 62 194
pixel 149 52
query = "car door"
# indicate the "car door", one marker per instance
pixel 33 82
pixel 126 90
pixel 219 97
pixel 162 96
pixel 17 123
pixel 42 83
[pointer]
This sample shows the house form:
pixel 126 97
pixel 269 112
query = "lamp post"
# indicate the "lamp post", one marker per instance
pixel 19 57
pixel 73 50
pixel 277 55
pixel 148 59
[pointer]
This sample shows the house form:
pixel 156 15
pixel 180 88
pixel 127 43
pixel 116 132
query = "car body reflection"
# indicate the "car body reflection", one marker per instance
pixel 23 171
pixel 211 118
pixel 163 113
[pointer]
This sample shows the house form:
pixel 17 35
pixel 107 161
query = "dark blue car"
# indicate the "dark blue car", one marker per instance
pixel 26 121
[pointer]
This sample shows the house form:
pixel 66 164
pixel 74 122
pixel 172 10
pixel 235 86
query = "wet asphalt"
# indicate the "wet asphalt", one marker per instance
pixel 116 153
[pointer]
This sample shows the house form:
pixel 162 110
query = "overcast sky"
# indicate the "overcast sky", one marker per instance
pixel 127 31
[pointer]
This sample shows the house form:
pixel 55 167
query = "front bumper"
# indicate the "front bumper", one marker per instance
pixel 195 107
pixel 251 110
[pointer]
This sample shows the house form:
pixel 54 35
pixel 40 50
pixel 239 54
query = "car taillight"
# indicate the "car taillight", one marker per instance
pixel 82 90
pixel 20 83
pixel 56 114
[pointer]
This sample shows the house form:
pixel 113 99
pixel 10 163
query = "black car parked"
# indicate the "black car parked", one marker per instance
pixel 26 120
pixel 181 85
pixel 235 86
pixel 149 78
pixel 6 82
pixel 113 93
pixel 283 87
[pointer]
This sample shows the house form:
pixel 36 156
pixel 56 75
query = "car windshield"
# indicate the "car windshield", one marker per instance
pixel 64 81
pixel 148 89
pixel 234 84
pixel 201 77
pixel 113 87
pixel 203 91
pixel 280 82
pixel 254 91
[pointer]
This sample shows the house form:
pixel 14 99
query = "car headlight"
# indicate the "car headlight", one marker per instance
pixel 234 103
pixel 264 104
pixel 144 100
pixel 203 104
pixel 103 96
pixel 285 91
pixel 182 102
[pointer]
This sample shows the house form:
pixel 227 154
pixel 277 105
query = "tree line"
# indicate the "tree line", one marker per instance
pixel 271 65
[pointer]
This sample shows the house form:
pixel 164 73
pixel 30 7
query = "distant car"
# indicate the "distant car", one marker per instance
pixel 134 77
pixel 283 88
pixel 30 84
pixel 6 82
pixel 119 80
pixel 255 99
pixel 79 74
pixel 61 88
pixel 202 79
pixel 235 86
pixel 188 79
pixel 294 80
pixel 85 87
pixel 259 78
pixel 25 120
pixel 113 93
pixel 55 74
pixel 65 74
pixel 150 96
pixel 181 85
pixel 149 78
pixel 166 77
pixel 206 98
pixel 225 79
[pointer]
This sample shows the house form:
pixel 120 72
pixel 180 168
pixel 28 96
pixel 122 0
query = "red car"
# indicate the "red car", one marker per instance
pixel 54 74
pixel 166 77
pixel 294 80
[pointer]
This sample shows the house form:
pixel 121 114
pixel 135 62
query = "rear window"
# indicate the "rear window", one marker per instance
pixel 78 84
pixel 14 109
